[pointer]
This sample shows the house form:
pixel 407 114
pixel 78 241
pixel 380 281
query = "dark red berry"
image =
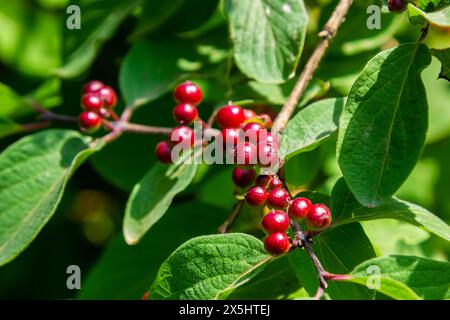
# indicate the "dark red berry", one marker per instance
pixel 231 137
pixel 163 152
pixel 275 183
pixel 256 196
pixel 245 154
pixel 267 154
pixel 397 5
pixel 277 243
pixel 92 86
pixel 275 221
pixel 188 92
pixel 243 177
pixel 230 116
pixel 185 113
pixel 109 96
pixel 92 101
pixel 249 114
pixel 253 132
pixel 299 208
pixel 278 198
pixel 182 134
pixel 89 121
pixel 263 180
pixel 319 216
pixel 271 139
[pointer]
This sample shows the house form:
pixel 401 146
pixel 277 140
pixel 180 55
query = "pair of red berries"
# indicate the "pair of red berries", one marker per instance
pixel 97 101
pixel 273 194
pixel 188 95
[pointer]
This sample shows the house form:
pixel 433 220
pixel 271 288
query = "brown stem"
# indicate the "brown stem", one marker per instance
pixel 231 218
pixel 326 34
pixel 138 128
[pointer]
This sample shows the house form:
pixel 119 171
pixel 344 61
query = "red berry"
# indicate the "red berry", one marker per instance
pixel 253 132
pixel 277 243
pixel 145 295
pixel 249 114
pixel 256 196
pixel 275 221
pixel 299 208
pixel 319 216
pixel 279 198
pixel 231 137
pixel 230 116
pixel 182 134
pixel 185 113
pixel 109 96
pixel 188 92
pixel 245 154
pixel 396 5
pixel 92 86
pixel 275 183
pixel 89 121
pixel 271 139
pixel 267 154
pixel 92 101
pixel 243 177
pixel 163 152
pixel 263 180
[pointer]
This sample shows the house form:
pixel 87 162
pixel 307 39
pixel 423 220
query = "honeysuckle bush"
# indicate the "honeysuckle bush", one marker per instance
pixel 365 131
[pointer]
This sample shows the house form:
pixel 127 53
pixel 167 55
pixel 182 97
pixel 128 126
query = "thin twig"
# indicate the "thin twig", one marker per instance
pixel 232 217
pixel 212 118
pixel 326 34
pixel 139 128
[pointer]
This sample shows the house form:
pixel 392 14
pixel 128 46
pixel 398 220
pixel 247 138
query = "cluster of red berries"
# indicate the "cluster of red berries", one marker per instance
pixel 188 96
pixel 397 5
pixel 270 191
pixel 97 101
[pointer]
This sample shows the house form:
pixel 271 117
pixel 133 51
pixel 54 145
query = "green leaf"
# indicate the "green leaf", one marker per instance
pixel 311 126
pixel 8 127
pixel 346 209
pixel 110 278
pixel 33 175
pixel 209 267
pixel 440 18
pixel 339 250
pixel 267 36
pixel 432 5
pixel 405 277
pixel 152 196
pixel 384 122
pixel 99 21
pixel 444 56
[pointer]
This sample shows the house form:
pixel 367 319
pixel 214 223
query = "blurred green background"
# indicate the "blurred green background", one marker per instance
pixel 43 60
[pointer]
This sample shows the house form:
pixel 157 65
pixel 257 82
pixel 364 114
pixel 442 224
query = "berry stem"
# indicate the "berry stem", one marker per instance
pixel 225 227
pixel 139 128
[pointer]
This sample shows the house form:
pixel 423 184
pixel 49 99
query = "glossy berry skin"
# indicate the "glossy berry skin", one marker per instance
pixel 109 96
pixel 92 101
pixel 278 198
pixel 230 116
pixel 89 121
pixel 182 134
pixel 277 243
pixel 252 132
pixel 256 196
pixel 245 154
pixel 92 86
pixel 267 154
pixel 275 183
pixel 263 180
pixel 275 221
pixel 163 152
pixel 396 5
pixel 319 216
pixel 299 208
pixel 243 177
pixel 249 114
pixel 270 139
pixel 231 137
pixel 188 92
pixel 185 113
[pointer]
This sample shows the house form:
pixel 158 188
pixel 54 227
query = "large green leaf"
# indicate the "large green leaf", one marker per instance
pixel 152 196
pixel 112 278
pixel 440 18
pixel 33 174
pixel 405 277
pixel 209 267
pixel 346 209
pixel 311 126
pixel 384 122
pixel 267 36
pixel 339 250
pixel 99 21
pixel 444 56
pixel 431 5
